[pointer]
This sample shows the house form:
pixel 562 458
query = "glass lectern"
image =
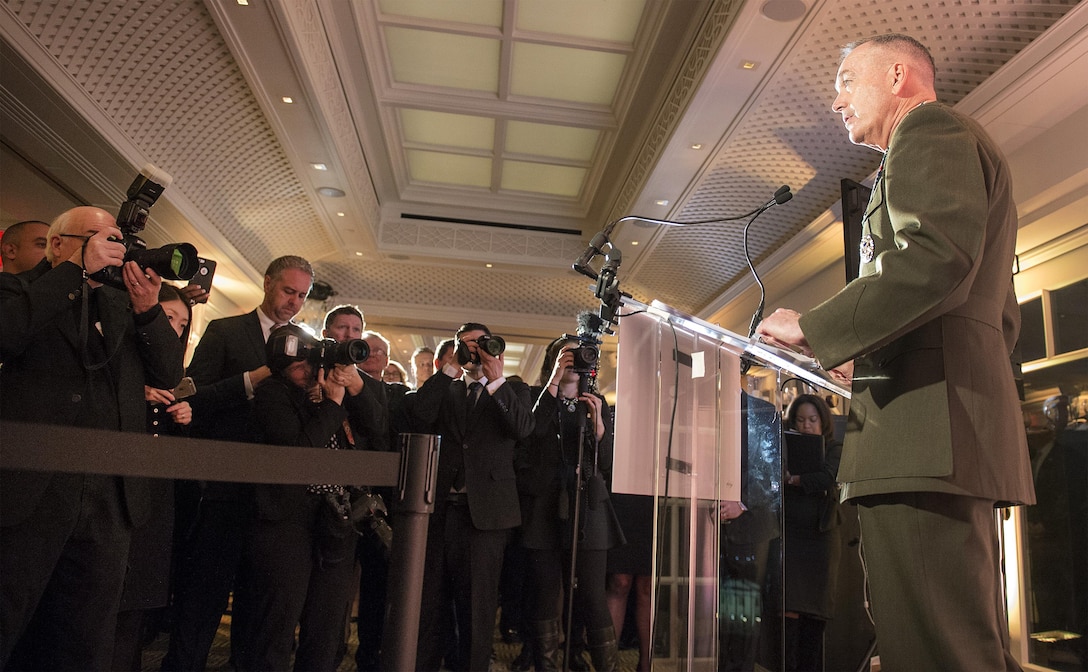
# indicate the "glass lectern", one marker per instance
pixel 693 432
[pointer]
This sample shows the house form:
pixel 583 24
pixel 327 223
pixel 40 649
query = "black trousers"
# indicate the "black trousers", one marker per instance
pixel 463 566
pixel 295 572
pixel 61 573
pixel 207 565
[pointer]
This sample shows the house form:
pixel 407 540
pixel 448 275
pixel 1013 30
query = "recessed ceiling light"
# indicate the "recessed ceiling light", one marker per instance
pixel 358 254
pixel 339 214
pixel 319 166
pixel 634 242
pixel 663 201
pixel 243 3
pixel 288 99
pixel 697 145
pixel 783 10
pixel 749 65
pixel 488 265
pixel 332 192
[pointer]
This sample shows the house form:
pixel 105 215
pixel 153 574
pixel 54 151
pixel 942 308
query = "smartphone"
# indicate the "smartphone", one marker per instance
pixel 205 270
pixel 185 388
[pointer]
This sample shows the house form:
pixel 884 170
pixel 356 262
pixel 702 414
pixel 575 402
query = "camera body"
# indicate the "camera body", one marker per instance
pixel 177 261
pixel 492 345
pixel 290 344
pixel 587 355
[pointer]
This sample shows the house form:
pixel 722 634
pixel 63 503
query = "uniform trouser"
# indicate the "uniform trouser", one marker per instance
pixel 934 569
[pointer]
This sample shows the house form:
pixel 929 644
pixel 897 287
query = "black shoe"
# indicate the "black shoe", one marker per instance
pixel 524 660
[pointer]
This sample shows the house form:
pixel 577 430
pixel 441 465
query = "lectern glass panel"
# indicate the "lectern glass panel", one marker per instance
pixel 704 444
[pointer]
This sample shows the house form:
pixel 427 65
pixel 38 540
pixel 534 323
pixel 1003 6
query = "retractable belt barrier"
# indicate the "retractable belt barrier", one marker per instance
pixel 36 447
pixel 412 471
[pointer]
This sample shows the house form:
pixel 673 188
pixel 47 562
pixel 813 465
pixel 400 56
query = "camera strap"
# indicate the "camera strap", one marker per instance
pixel 84 334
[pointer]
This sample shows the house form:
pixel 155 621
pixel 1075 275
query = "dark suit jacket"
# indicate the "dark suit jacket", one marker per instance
pixel 287 418
pixel 230 347
pixel 44 379
pixel 483 441
pixel 931 322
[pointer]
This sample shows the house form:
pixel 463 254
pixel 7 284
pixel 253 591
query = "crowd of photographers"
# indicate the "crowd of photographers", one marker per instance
pixel 93 338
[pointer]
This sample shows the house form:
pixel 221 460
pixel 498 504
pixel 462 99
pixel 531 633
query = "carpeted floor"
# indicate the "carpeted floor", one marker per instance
pixel 219 658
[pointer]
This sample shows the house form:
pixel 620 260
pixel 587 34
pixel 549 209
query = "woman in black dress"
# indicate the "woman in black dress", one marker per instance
pixel 561 494
pixel 813 546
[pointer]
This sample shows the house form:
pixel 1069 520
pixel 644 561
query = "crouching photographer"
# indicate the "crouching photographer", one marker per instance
pixel 299 557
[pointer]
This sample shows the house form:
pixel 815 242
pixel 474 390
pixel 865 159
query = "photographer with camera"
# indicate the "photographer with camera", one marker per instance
pixel 75 353
pixel 480 416
pixel 299 555
pixel 570 464
pixel 344 323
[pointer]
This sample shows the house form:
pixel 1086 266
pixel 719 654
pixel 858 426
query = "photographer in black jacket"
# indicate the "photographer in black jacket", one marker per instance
pixel 75 353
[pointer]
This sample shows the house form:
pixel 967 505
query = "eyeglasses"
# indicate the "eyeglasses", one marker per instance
pixel 75 235
pixel 378 351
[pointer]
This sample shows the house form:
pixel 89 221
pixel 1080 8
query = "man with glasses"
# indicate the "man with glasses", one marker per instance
pixel 75 353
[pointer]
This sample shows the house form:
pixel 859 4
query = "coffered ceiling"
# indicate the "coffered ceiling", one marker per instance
pixel 441 162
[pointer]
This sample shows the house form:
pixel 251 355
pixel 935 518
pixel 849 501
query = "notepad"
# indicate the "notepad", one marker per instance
pixel 804 452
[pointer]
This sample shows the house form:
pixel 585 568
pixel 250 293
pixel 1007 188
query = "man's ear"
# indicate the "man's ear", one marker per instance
pixel 899 72
pixel 7 250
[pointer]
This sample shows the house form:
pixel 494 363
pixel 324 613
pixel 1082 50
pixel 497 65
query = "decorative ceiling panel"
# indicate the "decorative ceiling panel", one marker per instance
pixel 415 126
pixel 790 135
pixel 170 84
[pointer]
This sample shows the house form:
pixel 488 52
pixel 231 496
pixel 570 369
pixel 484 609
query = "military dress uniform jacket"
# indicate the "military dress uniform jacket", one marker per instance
pixel 931 321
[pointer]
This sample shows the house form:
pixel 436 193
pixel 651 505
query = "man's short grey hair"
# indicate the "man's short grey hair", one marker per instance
pixel 281 264
pixel 898 41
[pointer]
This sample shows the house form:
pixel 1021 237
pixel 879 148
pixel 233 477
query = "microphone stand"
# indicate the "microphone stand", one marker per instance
pixel 576 516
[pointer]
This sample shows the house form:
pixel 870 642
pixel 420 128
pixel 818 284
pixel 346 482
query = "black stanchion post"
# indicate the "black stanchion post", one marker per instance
pixel 411 511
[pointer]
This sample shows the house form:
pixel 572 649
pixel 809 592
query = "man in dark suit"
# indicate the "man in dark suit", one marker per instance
pixel 75 353
pixel 227 366
pixel 935 438
pixel 480 416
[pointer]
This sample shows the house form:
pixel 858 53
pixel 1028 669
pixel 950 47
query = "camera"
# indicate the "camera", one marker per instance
pixel 327 353
pixel 492 345
pixel 176 261
pixel 586 355
pixel 290 343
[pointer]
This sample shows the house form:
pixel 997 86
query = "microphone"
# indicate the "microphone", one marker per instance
pixel 595 247
pixel 782 195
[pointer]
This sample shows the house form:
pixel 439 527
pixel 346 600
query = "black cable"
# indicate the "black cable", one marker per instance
pixel 668 460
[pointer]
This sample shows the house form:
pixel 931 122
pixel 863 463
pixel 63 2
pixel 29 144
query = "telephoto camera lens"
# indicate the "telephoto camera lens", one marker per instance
pixel 348 352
